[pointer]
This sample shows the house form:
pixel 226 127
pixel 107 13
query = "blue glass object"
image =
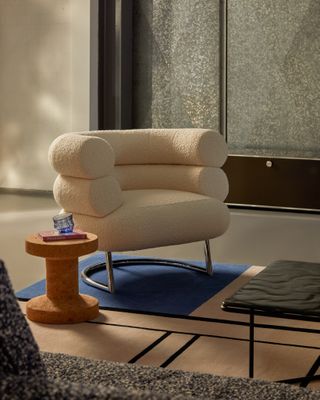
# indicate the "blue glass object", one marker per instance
pixel 63 223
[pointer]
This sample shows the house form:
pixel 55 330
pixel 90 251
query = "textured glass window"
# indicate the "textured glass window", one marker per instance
pixel 273 71
pixel 176 64
pixel 248 67
pixel 274 77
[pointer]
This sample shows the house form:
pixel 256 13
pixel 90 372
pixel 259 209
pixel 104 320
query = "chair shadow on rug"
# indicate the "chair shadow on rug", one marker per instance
pixel 139 189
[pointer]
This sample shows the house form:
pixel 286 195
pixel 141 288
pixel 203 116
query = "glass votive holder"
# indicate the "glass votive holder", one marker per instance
pixel 63 223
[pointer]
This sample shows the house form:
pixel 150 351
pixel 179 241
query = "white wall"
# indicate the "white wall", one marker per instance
pixel 44 84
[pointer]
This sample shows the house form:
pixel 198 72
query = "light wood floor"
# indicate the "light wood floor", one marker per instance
pixel 216 347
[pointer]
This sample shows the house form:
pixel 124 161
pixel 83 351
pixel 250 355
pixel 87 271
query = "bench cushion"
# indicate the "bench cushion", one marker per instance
pixel 284 287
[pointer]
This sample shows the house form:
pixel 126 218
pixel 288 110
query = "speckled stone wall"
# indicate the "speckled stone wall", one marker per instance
pixel 176 63
pixel 274 77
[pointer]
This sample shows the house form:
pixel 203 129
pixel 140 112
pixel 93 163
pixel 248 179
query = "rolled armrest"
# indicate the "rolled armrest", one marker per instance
pixel 202 147
pixel 81 156
pixel 96 197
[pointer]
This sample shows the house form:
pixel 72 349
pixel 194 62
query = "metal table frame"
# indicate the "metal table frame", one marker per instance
pixel 252 312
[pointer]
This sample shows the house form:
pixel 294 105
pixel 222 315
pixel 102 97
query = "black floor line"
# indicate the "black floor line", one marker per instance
pixel 286 328
pixel 299 379
pixel 201 334
pixel 314 368
pixel 177 316
pixel 145 328
pixel 225 321
pixel 304 382
pixel 238 323
pixel 171 316
pixel 149 348
pixel 205 335
pixel 180 351
pixel 219 320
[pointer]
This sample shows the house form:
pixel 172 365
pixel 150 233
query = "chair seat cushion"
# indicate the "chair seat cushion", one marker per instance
pixel 154 218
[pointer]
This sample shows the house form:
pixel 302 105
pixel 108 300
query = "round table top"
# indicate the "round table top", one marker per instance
pixel 61 248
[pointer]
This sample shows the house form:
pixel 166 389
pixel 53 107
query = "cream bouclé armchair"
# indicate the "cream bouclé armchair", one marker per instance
pixel 138 189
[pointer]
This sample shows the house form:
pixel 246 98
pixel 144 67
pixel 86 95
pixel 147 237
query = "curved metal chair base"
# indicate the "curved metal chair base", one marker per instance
pixel 109 264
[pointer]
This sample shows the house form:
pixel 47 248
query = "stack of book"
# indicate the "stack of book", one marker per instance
pixel 54 235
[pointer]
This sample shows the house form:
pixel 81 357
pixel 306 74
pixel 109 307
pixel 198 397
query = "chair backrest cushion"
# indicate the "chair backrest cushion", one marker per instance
pixel 166 146
pixel 174 159
pixel 209 181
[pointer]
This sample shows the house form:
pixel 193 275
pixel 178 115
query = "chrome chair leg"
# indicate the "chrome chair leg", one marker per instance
pixel 109 264
pixel 207 253
pixel 109 267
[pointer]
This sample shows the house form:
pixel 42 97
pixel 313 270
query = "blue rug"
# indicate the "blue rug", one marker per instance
pixel 151 289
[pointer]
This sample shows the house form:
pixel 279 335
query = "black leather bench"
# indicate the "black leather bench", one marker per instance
pixel 284 289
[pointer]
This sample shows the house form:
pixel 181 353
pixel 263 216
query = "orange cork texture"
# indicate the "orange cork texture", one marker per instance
pixel 62 303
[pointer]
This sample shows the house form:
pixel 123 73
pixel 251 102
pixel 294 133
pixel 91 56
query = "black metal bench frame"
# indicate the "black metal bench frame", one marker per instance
pixel 252 312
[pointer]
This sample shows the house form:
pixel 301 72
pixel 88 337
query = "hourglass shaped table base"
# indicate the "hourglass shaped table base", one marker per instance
pixel 42 309
pixel 62 303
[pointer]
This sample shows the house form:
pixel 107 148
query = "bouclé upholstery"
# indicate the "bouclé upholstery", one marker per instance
pixel 152 218
pixel 99 197
pixel 166 146
pixel 81 156
pixel 209 181
pixel 170 186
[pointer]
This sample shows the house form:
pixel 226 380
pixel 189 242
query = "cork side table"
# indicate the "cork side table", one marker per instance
pixel 62 303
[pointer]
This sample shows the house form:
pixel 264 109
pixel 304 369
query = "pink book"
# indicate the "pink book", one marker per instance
pixel 53 235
